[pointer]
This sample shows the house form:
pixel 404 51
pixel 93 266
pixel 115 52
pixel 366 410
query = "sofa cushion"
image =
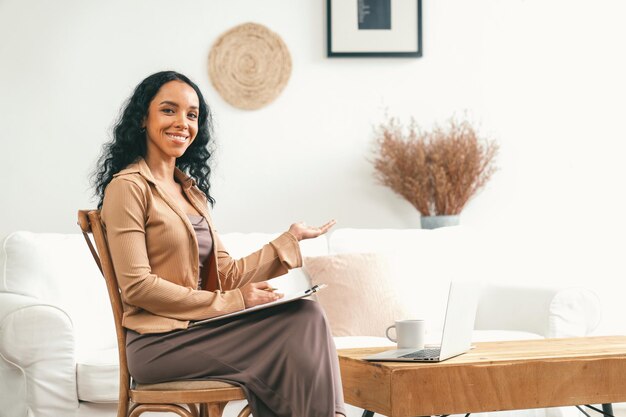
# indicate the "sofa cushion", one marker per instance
pixel 98 375
pixel 549 311
pixel 58 269
pixel 360 300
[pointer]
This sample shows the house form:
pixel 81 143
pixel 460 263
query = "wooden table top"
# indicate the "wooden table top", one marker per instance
pixel 516 350
pixel 492 376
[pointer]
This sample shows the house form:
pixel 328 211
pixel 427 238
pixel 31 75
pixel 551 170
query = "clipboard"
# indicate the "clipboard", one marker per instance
pixel 285 299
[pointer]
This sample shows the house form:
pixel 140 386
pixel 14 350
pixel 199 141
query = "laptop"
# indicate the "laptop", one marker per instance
pixel 456 338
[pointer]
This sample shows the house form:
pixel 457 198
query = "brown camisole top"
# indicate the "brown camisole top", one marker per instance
pixel 205 242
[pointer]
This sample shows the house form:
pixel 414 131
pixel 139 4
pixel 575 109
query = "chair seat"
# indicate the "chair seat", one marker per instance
pixel 184 385
pixel 185 392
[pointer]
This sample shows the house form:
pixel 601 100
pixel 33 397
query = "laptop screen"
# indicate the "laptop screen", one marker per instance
pixel 460 317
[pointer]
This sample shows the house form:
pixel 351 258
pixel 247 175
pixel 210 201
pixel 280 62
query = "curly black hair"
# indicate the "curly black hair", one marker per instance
pixel 129 138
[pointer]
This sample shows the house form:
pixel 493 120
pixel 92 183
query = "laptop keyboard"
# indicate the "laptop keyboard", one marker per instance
pixel 423 354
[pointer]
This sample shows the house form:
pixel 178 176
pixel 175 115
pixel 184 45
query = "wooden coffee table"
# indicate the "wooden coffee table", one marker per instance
pixel 493 376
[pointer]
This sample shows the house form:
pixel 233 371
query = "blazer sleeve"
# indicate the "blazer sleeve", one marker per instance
pixel 124 216
pixel 273 259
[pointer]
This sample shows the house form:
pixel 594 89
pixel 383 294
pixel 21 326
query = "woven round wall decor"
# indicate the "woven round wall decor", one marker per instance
pixel 249 66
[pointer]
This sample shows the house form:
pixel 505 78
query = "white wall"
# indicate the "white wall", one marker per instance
pixel 545 78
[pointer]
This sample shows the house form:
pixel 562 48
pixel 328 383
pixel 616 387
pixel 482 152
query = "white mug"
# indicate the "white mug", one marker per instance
pixel 410 334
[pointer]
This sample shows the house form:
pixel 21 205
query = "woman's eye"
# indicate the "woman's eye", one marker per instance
pixel 168 111
pixel 193 115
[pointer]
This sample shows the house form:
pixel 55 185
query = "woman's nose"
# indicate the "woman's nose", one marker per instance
pixel 181 121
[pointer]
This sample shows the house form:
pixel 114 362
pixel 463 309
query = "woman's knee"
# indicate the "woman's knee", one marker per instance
pixel 308 306
pixel 308 319
pixel 310 309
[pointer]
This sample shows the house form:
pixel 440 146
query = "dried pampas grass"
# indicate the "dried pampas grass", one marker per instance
pixel 436 171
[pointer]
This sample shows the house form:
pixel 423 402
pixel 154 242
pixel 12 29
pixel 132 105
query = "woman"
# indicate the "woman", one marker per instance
pixel 152 181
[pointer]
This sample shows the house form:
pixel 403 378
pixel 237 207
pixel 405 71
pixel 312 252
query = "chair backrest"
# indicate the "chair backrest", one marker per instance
pixel 90 223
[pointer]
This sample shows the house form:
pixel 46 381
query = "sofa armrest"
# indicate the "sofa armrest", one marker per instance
pixel 37 363
pixel 546 311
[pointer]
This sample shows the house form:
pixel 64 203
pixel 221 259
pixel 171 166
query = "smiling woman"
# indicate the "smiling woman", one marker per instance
pixel 171 267
pixel 171 95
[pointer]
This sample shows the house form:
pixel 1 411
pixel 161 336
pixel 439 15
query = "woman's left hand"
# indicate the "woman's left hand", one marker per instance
pixel 302 231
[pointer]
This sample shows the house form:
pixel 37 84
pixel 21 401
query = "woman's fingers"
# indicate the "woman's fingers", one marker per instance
pixel 261 284
pixel 301 231
pixel 328 225
pixel 264 285
pixel 317 231
pixel 256 293
pixel 265 291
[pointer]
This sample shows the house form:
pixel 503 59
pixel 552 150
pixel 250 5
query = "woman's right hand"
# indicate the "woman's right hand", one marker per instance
pixel 257 293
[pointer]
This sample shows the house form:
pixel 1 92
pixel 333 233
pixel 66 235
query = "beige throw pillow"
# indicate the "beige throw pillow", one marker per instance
pixel 359 300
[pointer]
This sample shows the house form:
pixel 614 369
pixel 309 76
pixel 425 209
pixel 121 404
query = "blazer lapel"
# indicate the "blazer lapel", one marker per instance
pixel 144 170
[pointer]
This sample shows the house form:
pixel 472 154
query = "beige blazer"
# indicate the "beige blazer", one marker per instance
pixel 155 255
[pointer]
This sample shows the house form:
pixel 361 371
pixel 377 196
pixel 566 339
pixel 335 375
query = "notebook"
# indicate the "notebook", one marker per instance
pixel 457 329
pixel 286 299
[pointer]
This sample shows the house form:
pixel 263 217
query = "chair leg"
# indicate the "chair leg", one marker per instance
pixel 245 412
pixel 193 408
pixel 216 409
pixel 122 409
pixel 142 408
pixel 122 406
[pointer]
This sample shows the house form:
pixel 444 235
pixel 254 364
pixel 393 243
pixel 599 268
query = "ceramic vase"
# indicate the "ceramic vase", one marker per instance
pixel 434 222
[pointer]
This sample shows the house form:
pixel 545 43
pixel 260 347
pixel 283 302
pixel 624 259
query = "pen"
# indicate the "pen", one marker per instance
pixel 315 288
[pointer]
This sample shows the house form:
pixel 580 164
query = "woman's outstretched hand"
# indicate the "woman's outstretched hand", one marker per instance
pixel 256 293
pixel 302 231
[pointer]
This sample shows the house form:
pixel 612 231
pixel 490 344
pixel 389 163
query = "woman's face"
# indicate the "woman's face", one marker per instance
pixel 172 121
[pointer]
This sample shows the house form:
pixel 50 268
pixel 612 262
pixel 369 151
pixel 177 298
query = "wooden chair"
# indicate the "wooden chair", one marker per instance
pixel 202 398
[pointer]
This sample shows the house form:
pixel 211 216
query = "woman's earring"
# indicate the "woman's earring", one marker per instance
pixel 142 130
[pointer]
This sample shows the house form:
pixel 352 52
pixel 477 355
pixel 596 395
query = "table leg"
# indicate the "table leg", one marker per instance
pixel 607 409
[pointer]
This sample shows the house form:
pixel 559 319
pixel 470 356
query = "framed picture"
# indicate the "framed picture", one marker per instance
pixel 370 28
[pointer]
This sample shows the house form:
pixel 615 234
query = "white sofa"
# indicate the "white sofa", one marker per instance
pixel 57 341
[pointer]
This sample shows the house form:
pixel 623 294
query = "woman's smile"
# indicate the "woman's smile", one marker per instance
pixel 178 137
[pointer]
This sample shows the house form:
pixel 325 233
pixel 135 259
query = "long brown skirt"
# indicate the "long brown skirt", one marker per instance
pixel 283 357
